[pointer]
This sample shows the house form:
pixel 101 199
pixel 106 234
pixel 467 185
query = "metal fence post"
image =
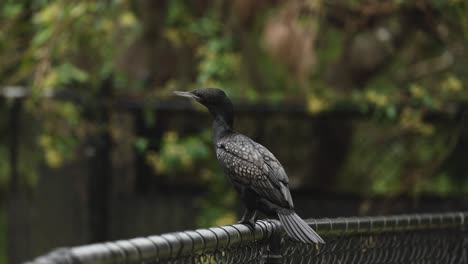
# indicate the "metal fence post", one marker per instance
pixel 100 164
pixel 274 247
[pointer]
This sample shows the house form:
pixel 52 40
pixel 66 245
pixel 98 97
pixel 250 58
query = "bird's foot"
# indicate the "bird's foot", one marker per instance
pixel 249 218
pixel 250 223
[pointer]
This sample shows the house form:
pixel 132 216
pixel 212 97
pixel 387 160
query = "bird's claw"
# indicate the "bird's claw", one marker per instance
pixel 250 223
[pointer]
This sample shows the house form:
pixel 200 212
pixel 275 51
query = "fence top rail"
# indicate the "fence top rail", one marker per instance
pixel 180 244
pixel 166 246
pixel 376 224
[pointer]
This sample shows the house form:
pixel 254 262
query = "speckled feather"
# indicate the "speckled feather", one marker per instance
pixel 251 164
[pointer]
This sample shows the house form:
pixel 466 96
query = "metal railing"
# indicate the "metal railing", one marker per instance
pixel 418 238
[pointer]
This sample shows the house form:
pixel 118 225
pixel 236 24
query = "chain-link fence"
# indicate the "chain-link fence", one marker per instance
pixel 419 238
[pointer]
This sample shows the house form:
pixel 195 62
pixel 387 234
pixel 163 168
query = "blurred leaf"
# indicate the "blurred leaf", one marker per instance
pixel 316 104
pixel 391 112
pixel 42 37
pixel 48 14
pixel 68 72
pixel 451 84
pixel 11 10
pixel 127 19
pixel 141 144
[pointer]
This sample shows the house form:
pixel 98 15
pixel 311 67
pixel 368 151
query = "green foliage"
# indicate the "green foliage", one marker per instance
pixel 60 45
pixel 177 155
pixel 217 63
pixel 192 156
pixel 84 34
pixel 331 47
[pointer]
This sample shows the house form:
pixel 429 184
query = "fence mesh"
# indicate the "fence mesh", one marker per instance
pixel 428 238
pixel 250 253
pixel 434 246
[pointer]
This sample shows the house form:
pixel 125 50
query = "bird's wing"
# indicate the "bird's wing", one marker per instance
pixel 253 165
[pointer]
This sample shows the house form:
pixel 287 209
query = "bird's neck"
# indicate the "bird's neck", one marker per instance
pixel 221 127
pixel 223 114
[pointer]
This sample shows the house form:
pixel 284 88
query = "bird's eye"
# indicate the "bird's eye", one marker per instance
pixel 199 96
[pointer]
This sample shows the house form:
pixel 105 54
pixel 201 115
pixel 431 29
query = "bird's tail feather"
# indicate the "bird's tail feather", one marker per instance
pixel 297 229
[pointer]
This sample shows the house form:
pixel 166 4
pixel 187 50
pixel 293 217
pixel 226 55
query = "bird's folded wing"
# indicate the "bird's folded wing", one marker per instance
pixel 251 164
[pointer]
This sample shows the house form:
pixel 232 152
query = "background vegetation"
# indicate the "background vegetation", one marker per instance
pixel 401 64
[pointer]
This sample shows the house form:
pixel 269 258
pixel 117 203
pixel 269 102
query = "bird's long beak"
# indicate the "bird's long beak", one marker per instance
pixel 186 94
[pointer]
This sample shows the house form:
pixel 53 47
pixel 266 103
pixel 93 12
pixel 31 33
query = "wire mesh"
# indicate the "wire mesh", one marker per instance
pixel 428 238
pixel 250 253
pixel 421 246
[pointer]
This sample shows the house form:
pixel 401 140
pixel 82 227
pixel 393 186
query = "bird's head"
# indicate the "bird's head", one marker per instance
pixel 214 99
pixel 208 97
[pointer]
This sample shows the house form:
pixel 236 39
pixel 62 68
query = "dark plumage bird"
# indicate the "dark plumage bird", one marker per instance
pixel 254 171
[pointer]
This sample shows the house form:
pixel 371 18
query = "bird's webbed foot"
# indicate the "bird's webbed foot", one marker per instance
pixel 249 218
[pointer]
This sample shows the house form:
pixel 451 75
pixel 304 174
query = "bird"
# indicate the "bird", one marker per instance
pixel 255 173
